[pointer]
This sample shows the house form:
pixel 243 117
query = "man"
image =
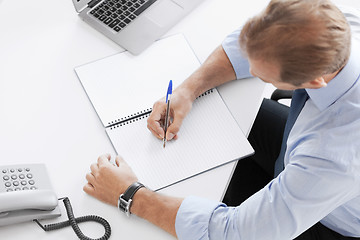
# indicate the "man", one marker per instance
pixel 294 45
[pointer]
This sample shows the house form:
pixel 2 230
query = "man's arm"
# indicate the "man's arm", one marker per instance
pixel 216 70
pixel 106 182
pixel 158 209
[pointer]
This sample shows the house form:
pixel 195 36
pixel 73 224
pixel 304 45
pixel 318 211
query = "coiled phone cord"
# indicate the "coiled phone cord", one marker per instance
pixel 74 223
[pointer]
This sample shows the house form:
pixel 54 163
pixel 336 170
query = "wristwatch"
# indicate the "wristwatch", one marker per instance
pixel 125 199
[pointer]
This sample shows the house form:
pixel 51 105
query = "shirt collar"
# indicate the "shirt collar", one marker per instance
pixel 325 96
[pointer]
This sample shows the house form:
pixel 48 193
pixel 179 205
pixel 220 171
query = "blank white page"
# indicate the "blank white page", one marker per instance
pixel 122 85
pixel 209 137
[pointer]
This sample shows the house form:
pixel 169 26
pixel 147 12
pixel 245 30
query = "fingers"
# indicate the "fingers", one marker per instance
pixel 154 120
pixel 90 178
pixel 94 169
pixel 104 159
pixel 174 127
pixel 89 189
pixel 159 132
pixel 119 161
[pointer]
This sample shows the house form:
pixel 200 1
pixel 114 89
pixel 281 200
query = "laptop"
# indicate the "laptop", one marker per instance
pixel 133 24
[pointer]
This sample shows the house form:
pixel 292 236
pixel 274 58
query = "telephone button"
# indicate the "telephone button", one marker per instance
pixel 21 176
pixel 29 175
pixel 8 184
pixel 23 182
pixel 19 169
pixel 31 182
pixel 6 177
pixel 17 189
pixel 27 169
pixel 16 183
pixel 9 190
pixel 13 177
pixel 12 170
pixel 25 188
pixel 33 188
pixel 4 171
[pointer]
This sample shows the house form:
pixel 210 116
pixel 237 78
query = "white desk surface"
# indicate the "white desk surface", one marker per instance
pixel 46 116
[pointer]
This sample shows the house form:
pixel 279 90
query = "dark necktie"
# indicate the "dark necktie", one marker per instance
pixel 299 98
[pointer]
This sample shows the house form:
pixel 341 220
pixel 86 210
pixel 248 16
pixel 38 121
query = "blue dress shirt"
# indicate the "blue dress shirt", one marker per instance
pixel 321 179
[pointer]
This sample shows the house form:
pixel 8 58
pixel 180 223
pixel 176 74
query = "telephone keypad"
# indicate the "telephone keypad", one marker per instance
pixel 17 179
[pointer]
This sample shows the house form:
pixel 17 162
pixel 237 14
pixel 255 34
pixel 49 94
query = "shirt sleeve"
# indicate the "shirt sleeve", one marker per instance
pixel 297 199
pixel 239 62
pixel 193 218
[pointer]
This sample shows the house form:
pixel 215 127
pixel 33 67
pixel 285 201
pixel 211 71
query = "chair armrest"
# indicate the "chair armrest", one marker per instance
pixel 281 94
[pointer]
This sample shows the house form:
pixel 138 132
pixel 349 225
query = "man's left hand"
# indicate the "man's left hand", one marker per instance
pixel 106 181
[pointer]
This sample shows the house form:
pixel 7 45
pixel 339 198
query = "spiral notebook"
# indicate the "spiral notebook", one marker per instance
pixel 209 136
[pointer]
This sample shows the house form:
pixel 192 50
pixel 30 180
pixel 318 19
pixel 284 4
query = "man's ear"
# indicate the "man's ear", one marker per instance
pixel 316 83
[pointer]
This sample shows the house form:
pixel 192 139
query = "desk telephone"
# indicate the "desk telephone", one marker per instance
pixel 26 195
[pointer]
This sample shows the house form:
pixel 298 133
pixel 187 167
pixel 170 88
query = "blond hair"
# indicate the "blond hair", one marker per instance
pixel 306 38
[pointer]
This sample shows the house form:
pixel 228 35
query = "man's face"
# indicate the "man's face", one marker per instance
pixel 269 73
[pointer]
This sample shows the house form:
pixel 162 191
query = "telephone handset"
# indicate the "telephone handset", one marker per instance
pixel 44 200
pixel 26 194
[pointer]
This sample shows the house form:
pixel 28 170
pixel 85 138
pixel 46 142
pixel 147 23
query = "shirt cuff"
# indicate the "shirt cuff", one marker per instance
pixel 193 217
pixel 239 62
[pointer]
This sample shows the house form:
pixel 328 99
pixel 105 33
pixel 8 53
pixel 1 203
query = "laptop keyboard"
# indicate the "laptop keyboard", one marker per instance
pixel 117 14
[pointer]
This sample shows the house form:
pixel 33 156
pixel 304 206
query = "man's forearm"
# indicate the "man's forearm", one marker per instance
pixel 156 208
pixel 216 70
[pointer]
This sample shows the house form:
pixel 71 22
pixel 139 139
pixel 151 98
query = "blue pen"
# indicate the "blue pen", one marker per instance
pixel 168 96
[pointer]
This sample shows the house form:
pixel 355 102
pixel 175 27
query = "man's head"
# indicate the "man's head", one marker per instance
pixel 301 40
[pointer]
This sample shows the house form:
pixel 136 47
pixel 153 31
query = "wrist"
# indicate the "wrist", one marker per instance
pixel 190 89
pixel 125 200
pixel 140 199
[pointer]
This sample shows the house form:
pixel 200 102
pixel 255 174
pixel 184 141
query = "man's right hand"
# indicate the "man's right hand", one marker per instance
pixel 216 70
pixel 180 106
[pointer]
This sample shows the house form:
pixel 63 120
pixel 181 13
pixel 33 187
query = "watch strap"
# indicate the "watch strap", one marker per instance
pixel 125 199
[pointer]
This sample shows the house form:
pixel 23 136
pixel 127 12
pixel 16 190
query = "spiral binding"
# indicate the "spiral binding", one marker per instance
pixel 132 120
pixel 142 114
pixel 131 116
pixel 206 93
